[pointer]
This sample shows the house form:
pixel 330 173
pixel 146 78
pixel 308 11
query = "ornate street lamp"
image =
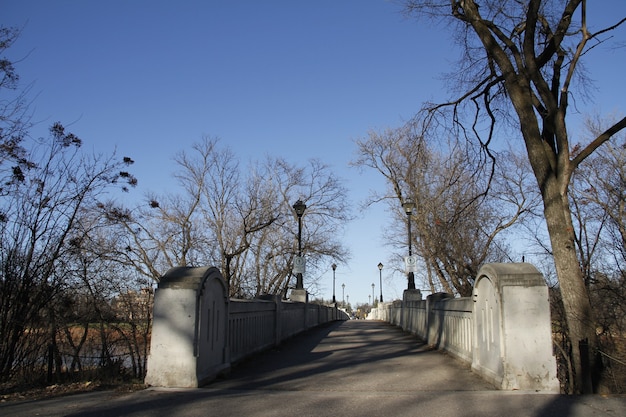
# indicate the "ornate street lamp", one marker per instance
pixel 334 266
pixel 373 296
pixel 380 276
pixel 408 206
pixel 343 295
pixel 299 207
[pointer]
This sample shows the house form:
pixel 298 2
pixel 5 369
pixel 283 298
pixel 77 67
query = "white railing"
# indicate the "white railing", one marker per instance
pixel 441 321
pixel 256 325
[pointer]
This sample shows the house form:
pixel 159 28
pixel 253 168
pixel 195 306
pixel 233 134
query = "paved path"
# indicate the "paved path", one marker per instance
pixel 354 368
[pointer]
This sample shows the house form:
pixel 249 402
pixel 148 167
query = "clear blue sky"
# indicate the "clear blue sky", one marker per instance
pixel 299 79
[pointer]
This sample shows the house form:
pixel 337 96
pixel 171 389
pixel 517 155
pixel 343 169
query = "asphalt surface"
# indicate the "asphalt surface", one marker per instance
pixel 353 368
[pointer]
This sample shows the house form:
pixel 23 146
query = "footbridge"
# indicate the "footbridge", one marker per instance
pixel 437 357
pixel 502 332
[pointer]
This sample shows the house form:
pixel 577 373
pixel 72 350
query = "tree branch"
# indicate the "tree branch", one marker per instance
pixel 605 136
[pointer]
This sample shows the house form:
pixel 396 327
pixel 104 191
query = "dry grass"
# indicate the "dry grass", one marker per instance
pixel 21 393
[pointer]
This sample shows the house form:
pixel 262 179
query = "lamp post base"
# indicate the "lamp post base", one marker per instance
pixel 300 296
pixel 412 295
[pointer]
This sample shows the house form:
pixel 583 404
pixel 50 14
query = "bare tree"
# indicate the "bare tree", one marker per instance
pixel 326 214
pixel 521 61
pixel 105 298
pixel 598 195
pixel 461 210
pixel 38 218
pixel 14 117
pixel 240 220
pixel 603 187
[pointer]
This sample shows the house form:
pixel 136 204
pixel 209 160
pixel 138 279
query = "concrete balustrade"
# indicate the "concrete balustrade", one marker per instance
pixel 451 325
pixel 198 332
pixel 503 331
pixel 252 327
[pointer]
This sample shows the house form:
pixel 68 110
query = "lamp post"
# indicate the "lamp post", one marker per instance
pixel 343 295
pixel 299 207
pixel 408 206
pixel 380 277
pixel 334 266
pixel 373 296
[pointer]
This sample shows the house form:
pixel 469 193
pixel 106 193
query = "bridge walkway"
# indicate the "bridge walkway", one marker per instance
pixel 353 356
pixel 353 368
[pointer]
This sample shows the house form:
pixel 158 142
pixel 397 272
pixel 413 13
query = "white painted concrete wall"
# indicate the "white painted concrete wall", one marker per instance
pixel 172 360
pixel 516 316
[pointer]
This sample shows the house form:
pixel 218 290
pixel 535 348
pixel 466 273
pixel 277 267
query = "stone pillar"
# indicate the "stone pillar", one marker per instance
pixel 190 328
pixel 408 296
pixel 512 328
pixel 278 317
pixel 434 323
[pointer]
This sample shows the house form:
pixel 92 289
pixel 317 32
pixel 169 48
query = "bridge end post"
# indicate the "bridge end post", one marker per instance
pixel 512 328
pixel 189 330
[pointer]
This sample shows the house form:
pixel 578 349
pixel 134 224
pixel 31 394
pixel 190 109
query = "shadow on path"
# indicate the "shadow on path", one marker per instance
pixel 354 368
pixel 355 355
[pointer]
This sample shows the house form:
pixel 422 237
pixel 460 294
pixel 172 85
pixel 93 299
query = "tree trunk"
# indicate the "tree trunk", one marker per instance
pixel 576 303
pixel 552 168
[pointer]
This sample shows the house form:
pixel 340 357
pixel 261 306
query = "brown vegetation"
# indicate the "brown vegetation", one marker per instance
pixel 89 370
